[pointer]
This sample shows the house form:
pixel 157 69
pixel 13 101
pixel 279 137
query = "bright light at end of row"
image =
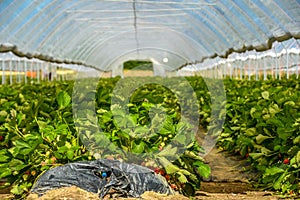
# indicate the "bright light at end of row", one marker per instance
pixel 165 60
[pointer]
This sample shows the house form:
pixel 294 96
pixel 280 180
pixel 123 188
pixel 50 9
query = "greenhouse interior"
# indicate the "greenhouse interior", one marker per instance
pixel 113 99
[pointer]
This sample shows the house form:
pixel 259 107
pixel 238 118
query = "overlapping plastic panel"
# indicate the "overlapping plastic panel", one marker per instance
pixel 104 33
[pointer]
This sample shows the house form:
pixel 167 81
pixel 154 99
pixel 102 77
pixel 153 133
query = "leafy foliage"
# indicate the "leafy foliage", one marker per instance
pixel 38 132
pixel 262 124
pixel 138 64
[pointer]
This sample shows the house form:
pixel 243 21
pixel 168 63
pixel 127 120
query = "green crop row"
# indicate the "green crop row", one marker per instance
pixel 151 122
pixel 52 123
pixel 263 125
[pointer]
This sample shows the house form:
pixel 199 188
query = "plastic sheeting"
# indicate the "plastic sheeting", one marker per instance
pixel 102 34
pixel 102 177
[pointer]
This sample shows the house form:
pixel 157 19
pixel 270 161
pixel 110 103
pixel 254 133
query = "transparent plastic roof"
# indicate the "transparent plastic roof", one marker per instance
pixel 105 33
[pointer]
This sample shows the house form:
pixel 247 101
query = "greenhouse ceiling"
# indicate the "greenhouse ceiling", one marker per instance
pixel 105 33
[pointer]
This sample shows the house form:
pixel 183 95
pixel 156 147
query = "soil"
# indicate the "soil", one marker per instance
pixel 228 181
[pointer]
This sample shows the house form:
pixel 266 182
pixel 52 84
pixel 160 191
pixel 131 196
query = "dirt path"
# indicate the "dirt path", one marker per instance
pixel 227 168
pixel 228 180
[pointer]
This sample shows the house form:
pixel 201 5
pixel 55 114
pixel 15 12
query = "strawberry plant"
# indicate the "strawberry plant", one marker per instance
pixel 150 128
pixel 38 132
pixel 262 122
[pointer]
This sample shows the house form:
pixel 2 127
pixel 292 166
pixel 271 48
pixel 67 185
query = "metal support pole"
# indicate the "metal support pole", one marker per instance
pixel 265 70
pixel 249 67
pixel 25 71
pixel 297 63
pixel 10 72
pixel 31 70
pixel 287 64
pixel 18 70
pixel 3 71
pixel 241 69
pixel 38 66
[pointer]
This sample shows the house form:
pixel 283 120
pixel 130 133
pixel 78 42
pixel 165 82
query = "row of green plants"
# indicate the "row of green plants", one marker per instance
pixel 38 132
pixel 263 125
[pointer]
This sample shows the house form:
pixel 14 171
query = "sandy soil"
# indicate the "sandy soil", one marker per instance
pixel 74 193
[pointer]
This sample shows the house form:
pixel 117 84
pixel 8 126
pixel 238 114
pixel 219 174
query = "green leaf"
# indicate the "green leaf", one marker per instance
pixel 265 151
pixel 203 169
pixel 4 158
pixel 260 138
pixel 273 171
pixel 275 122
pixel 182 178
pixel 139 148
pixel 42 125
pixel 252 111
pixel 21 144
pixel 235 128
pixel 250 132
pixel 3 113
pixel 298 157
pixel 180 138
pixel 255 156
pixel 297 140
pixel 70 154
pixel 62 149
pixel 16 190
pixel 5 172
pixel 282 134
pixel 293 150
pixel 141 131
pixel 169 167
pixel 274 109
pixel 278 181
pixel 265 95
pixel 63 99
pixel 168 151
pixel 290 103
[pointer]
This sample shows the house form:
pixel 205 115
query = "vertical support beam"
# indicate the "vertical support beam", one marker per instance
pixel 10 72
pixel 18 70
pixel 223 70
pixel 265 70
pixel 25 71
pixel 52 71
pixel 49 72
pixel 3 71
pixel 241 69
pixel 249 63
pixel 55 72
pixel 287 63
pixel 38 67
pixel 21 70
pixel 236 67
pixel 297 64
pixel 31 70
pixel 276 66
pixel 231 70
pixel 256 67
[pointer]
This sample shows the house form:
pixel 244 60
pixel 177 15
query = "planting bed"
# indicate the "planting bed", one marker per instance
pixel 262 126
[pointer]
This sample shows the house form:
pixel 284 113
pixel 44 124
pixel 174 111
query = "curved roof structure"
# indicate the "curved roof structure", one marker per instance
pixel 104 33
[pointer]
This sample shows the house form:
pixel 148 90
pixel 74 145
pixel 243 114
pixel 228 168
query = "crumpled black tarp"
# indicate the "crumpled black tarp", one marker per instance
pixel 102 177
